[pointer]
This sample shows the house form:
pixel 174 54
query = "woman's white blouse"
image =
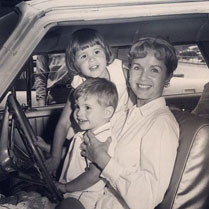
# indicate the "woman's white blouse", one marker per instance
pixel 146 149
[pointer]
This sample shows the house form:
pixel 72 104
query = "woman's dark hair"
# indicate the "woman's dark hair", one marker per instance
pixel 164 51
pixel 82 39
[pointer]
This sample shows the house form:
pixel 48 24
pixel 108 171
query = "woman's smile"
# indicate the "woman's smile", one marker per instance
pixel 143 86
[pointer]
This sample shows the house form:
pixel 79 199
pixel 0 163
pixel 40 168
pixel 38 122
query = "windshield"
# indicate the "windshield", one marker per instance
pixel 8 23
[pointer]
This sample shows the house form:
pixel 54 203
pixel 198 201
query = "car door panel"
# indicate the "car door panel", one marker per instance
pixel 185 102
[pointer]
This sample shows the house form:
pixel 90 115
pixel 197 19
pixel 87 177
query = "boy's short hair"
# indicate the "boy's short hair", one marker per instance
pixel 82 39
pixel 104 90
pixel 164 51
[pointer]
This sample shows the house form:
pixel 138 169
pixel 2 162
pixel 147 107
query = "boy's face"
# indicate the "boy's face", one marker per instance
pixel 89 114
pixel 147 77
pixel 92 61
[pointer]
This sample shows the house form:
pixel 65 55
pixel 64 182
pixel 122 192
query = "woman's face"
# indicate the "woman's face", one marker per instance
pixel 147 77
pixel 92 61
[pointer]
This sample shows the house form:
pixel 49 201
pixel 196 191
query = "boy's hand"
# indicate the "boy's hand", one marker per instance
pixel 61 187
pixel 52 164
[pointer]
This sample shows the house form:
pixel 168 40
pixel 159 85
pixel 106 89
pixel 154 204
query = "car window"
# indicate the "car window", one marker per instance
pixel 191 74
pixel 24 84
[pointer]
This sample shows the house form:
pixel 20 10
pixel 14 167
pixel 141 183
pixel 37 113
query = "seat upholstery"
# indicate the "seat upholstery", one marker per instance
pixel 189 186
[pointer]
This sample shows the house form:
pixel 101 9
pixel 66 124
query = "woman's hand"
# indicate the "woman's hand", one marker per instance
pixel 96 151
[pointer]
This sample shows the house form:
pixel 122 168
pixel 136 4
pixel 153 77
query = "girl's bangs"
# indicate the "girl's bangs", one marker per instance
pixel 82 46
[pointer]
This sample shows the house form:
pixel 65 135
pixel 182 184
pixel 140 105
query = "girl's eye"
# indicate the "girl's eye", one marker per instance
pixel 83 56
pixel 97 52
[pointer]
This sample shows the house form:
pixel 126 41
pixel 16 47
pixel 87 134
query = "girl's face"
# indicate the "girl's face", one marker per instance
pixel 92 62
pixel 147 77
pixel 89 114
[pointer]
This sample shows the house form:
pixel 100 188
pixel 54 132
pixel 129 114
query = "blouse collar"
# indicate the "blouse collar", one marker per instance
pixel 151 106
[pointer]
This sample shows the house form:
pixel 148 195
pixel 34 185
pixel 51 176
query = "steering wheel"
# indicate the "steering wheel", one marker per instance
pixel 28 136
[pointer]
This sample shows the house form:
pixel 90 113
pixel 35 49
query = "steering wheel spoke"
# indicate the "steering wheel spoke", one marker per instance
pixel 29 137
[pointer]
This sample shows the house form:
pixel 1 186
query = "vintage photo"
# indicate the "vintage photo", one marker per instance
pixel 104 104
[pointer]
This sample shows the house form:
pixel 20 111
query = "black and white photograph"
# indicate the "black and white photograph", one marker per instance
pixel 104 104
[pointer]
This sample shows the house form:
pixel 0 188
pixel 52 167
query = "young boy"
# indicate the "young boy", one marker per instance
pixel 95 102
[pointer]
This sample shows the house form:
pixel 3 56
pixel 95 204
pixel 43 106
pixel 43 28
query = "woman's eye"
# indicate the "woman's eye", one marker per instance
pixel 136 67
pixel 155 70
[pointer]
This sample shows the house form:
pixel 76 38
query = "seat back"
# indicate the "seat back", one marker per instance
pixel 189 185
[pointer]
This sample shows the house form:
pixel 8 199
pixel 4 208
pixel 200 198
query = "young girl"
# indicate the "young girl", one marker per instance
pixel 87 55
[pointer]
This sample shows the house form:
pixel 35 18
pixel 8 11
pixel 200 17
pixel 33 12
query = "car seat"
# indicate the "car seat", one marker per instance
pixel 189 185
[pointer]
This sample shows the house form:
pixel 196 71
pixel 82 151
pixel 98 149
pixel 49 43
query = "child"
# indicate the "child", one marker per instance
pixel 95 102
pixel 87 55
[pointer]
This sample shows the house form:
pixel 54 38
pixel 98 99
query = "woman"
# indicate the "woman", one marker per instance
pixel 139 173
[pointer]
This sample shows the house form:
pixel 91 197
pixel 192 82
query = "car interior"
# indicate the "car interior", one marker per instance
pixel 22 120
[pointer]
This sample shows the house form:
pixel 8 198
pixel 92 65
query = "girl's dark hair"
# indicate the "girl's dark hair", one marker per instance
pixel 104 90
pixel 164 51
pixel 82 39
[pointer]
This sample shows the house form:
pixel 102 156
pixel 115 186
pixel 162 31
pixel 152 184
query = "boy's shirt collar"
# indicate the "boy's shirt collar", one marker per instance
pixel 105 127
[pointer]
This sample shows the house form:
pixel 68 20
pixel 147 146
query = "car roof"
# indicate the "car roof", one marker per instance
pixel 84 3
pixel 44 26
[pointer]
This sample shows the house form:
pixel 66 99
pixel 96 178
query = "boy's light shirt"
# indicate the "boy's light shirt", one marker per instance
pixel 100 133
pixel 68 174
pixel 75 165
